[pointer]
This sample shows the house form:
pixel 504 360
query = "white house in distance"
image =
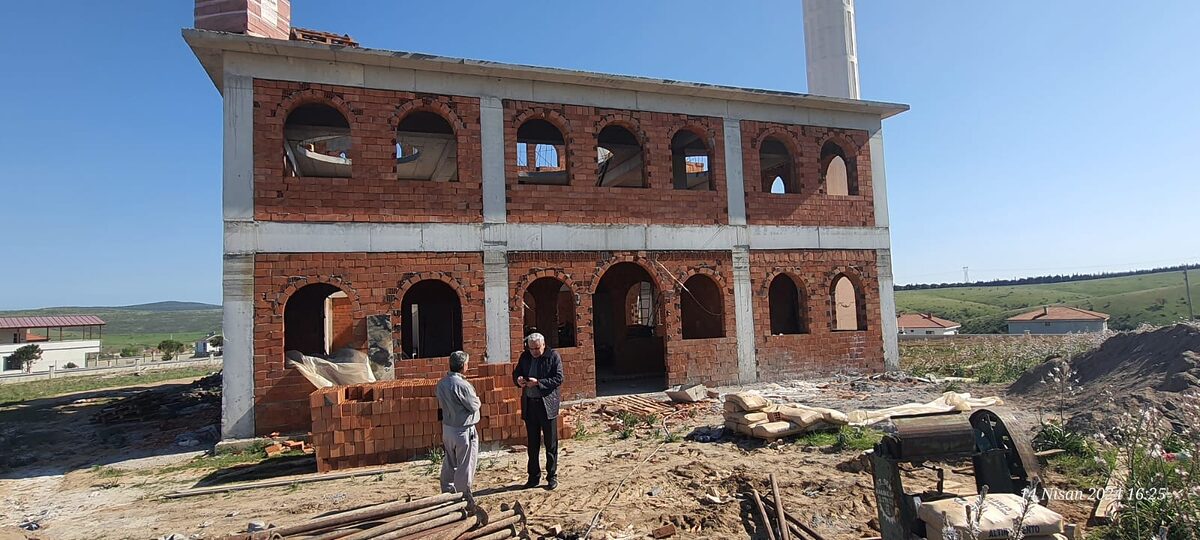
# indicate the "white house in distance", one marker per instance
pixel 1058 320
pixel 63 339
pixel 926 324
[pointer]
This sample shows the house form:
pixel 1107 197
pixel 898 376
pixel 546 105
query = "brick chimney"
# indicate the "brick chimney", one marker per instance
pixel 262 18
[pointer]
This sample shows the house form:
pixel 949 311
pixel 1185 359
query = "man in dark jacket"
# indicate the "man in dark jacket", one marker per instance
pixel 539 373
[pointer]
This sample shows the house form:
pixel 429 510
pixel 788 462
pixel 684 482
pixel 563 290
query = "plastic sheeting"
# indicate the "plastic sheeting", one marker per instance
pixel 950 401
pixel 346 366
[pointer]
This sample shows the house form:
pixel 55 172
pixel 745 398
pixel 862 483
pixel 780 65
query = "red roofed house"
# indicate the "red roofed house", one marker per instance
pixel 63 339
pixel 1058 320
pixel 926 324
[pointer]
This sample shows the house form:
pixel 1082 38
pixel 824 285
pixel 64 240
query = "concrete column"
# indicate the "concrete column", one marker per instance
pixel 491 125
pixel 495 305
pixel 743 310
pixel 735 184
pixel 879 179
pixel 237 188
pixel 237 390
pixel 887 311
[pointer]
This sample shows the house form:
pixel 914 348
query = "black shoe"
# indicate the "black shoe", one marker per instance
pixel 532 483
pixel 553 483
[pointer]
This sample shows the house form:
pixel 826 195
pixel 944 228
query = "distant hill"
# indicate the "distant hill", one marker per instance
pixel 155 318
pixel 1153 298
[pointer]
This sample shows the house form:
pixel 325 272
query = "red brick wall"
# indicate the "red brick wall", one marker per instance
pixel 375 284
pixel 811 206
pixel 582 201
pixel 820 350
pixel 711 361
pixel 373 193
pixel 391 421
pixel 243 17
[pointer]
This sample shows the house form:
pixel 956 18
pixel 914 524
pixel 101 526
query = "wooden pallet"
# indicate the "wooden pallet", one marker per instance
pixel 637 405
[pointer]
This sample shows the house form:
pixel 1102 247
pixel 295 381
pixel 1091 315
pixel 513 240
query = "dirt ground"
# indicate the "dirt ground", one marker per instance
pixel 83 480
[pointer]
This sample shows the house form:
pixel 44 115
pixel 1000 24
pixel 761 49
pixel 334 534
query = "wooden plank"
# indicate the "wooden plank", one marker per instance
pixel 1110 499
pixel 285 481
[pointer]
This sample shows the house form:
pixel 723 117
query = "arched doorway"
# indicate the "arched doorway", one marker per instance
pixel 430 320
pixel 630 352
pixel 548 307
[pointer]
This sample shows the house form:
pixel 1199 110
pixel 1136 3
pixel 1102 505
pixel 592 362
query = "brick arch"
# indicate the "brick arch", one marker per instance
pixel 312 95
pixel 858 280
pixel 539 273
pixel 851 151
pixel 543 113
pixel 639 260
pixel 625 121
pixel 428 104
pixel 848 145
pixel 764 288
pixel 707 135
pixel 395 296
pixel 687 272
pixel 295 283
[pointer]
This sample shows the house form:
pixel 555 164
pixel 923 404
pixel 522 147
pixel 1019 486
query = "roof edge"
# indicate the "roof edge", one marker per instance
pixel 205 42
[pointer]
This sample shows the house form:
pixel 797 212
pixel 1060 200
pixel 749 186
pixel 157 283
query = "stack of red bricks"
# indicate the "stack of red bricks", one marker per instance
pixel 391 421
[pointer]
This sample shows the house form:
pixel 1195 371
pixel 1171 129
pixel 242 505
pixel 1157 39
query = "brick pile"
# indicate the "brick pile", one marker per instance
pixel 391 421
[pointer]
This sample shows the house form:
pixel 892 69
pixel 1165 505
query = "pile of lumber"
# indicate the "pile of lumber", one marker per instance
pixel 441 517
pixel 752 415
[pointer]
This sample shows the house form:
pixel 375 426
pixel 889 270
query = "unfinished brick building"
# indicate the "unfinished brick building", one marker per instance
pixel 657 232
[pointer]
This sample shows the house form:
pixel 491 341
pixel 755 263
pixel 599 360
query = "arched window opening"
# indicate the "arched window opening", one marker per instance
pixel 541 154
pixel 776 169
pixel 690 162
pixel 619 160
pixel 426 148
pixel 847 306
pixel 316 142
pixel 838 171
pixel 549 309
pixel 317 320
pixel 787 307
pixel 629 350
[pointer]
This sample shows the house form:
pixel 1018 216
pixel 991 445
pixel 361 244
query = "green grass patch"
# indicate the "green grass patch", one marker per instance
pixel 253 454
pixel 18 392
pixel 1080 471
pixel 858 438
pixel 990 359
pixel 107 472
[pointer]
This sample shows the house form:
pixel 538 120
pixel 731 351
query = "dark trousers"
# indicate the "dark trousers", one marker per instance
pixel 541 430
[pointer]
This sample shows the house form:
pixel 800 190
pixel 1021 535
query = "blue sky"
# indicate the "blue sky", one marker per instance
pixel 1044 137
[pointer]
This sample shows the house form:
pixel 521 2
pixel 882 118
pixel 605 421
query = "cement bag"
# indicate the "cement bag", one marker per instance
pixel 802 416
pixel 738 428
pixel 325 373
pixel 999 510
pixel 730 406
pixel 829 416
pixel 772 430
pixel 747 418
pixel 748 401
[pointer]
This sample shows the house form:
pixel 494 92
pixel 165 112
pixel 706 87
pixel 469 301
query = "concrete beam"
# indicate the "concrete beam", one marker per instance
pixel 281 237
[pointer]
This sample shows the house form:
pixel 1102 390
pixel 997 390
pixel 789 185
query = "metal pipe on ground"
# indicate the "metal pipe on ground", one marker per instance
pixel 784 533
pixel 503 520
pixel 422 527
pixel 369 513
pixel 762 513
pixel 356 530
pixel 456 510
pixel 501 535
pixel 450 531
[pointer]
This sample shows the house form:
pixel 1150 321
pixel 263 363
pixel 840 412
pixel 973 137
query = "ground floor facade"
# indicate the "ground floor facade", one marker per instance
pixel 623 321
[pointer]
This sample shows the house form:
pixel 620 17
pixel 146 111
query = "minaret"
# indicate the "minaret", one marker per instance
pixel 831 48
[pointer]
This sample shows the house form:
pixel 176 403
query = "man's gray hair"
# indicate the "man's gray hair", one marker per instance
pixel 535 338
pixel 458 359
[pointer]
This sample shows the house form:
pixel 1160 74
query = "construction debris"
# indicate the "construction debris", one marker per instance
pixel 996 517
pixel 687 393
pixel 200 398
pixel 637 406
pixel 447 517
